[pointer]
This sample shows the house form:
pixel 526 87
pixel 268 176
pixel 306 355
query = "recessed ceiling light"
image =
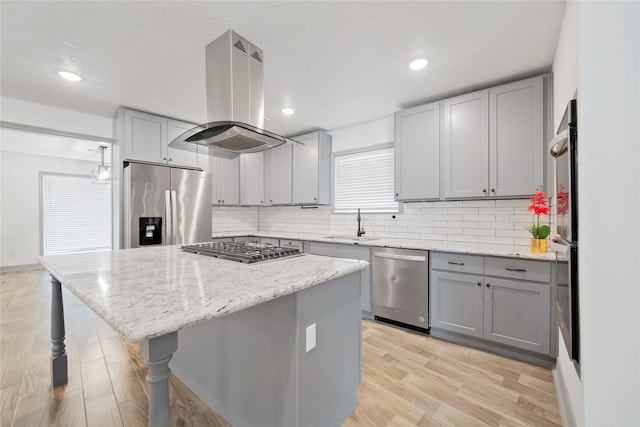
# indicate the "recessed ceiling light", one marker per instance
pixel 69 76
pixel 287 111
pixel 418 64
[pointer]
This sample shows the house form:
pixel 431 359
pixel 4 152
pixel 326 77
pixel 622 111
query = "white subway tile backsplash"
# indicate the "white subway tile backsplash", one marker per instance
pixel 479 232
pixel 479 203
pixel 479 217
pixel 483 221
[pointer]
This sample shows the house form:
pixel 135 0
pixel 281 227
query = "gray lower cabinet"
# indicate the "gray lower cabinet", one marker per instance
pixel 501 300
pixel 362 253
pixel 457 303
pixel 517 313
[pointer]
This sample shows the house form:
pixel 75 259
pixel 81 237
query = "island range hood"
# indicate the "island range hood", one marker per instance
pixel 235 101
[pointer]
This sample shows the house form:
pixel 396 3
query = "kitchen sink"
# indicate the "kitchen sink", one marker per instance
pixel 355 238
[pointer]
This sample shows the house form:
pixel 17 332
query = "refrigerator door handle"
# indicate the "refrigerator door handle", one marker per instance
pixel 174 217
pixel 167 216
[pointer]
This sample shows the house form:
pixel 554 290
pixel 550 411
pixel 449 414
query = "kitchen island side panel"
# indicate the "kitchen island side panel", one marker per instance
pixel 251 366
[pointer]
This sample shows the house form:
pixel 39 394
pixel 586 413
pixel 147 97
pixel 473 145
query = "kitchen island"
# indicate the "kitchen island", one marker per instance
pixel 229 317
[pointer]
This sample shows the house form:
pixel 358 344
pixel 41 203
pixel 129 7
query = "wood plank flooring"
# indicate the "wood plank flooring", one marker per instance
pixel 408 379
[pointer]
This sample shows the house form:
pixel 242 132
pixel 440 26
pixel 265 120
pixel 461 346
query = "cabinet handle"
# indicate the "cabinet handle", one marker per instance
pixel 484 190
pixel 397 194
pixel 520 270
pixel 270 201
pixel 488 285
pixel 455 263
pixel 164 158
pixel 493 190
pixel 479 284
pixel 170 159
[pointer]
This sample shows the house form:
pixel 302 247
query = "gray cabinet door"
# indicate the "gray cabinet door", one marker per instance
pixel 457 303
pixel 518 313
pixel 305 170
pixel 176 156
pixel 324 249
pixel 516 138
pixel 312 169
pixel 251 179
pixel 466 145
pixel 417 153
pixel 362 254
pixel 226 188
pixel 145 137
pixel 277 175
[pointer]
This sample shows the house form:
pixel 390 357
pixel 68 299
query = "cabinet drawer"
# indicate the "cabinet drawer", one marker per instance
pixel 460 263
pixel 296 244
pixel 513 268
pixel 354 252
pixel 326 249
pixel 269 241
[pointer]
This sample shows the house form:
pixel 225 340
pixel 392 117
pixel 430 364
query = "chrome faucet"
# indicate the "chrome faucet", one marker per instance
pixel 360 229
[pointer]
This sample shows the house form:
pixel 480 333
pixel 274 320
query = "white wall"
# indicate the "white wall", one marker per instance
pixel 565 84
pixel 20 203
pixel 609 203
pixel 28 113
pixel 363 135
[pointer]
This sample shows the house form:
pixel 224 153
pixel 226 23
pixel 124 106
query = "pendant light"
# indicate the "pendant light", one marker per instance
pixel 102 173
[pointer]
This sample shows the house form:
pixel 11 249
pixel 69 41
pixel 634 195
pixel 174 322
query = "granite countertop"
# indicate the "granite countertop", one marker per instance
pixel 148 292
pixel 510 251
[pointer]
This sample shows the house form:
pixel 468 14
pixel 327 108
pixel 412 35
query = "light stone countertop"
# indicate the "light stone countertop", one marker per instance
pixel 149 292
pixel 499 250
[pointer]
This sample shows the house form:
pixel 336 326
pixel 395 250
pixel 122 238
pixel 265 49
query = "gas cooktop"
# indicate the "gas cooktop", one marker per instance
pixel 241 251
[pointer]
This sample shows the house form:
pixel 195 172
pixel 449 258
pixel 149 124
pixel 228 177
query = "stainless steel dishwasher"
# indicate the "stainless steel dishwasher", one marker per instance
pixel 401 286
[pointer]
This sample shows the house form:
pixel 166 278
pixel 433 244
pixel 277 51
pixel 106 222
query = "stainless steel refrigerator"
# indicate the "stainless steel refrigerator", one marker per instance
pixel 165 206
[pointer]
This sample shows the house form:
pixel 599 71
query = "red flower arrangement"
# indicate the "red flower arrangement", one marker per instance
pixel 538 207
pixel 563 202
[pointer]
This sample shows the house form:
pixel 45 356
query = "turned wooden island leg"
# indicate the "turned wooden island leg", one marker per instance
pixel 157 353
pixel 58 351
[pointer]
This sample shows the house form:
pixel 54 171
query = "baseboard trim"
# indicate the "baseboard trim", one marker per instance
pixel 566 414
pixel 10 268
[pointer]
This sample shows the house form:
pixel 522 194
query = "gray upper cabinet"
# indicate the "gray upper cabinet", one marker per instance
pixel 277 175
pixel 226 185
pixel 146 138
pixel 417 153
pixel 251 179
pixel 311 181
pixel 516 138
pixel 493 141
pixel 466 145
pixel 176 156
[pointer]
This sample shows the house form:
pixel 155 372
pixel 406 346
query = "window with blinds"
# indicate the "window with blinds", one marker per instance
pixel 76 214
pixel 364 180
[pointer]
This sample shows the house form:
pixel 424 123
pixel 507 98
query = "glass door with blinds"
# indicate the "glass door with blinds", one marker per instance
pixel 75 214
pixel 364 180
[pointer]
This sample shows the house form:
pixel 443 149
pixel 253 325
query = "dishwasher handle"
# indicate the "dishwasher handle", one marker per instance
pixel 416 258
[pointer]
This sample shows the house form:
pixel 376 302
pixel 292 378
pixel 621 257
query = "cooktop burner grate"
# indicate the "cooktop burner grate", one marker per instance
pixel 241 251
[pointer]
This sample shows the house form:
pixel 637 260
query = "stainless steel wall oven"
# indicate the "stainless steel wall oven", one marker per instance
pixel 564 148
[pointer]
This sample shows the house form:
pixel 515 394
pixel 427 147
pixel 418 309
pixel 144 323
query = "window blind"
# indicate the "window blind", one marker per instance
pixel 76 214
pixel 364 180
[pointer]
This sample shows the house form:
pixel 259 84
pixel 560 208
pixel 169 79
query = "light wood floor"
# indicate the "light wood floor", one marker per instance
pixel 408 379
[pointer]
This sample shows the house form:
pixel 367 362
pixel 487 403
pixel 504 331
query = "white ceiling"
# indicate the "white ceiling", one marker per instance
pixel 338 63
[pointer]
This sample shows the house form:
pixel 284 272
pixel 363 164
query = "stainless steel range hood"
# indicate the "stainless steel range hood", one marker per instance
pixel 235 101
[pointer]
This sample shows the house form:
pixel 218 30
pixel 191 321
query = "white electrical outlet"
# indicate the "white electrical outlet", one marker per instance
pixel 311 337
